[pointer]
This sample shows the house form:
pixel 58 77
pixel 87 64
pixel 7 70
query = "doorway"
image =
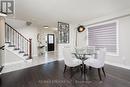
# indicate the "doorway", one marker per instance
pixel 50 42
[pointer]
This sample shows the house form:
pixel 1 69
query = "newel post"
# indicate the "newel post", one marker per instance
pixel 30 48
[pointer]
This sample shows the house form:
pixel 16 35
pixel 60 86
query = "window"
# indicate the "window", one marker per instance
pixel 104 35
pixel 63 32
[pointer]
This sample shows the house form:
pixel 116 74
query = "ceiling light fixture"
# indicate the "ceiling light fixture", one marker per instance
pixel 81 28
pixel 46 27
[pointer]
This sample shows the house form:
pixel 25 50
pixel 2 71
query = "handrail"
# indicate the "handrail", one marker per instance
pixel 2 47
pixel 17 32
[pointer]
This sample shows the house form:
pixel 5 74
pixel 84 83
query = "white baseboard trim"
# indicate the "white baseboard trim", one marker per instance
pixel 12 63
pixel 29 61
pixel 118 65
pixel 60 59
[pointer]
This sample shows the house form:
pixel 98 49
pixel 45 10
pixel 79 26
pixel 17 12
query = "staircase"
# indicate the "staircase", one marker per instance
pixel 17 43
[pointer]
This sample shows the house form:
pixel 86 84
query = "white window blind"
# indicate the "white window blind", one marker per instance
pixel 103 36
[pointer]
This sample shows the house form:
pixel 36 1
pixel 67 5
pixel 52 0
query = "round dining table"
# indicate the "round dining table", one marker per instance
pixel 83 57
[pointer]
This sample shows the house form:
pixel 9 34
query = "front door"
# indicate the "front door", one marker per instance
pixel 2 41
pixel 50 42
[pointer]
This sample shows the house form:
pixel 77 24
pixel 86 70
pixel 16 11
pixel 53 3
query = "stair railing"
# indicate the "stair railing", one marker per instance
pixel 18 41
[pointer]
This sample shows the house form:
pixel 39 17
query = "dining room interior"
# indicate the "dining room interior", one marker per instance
pixel 64 43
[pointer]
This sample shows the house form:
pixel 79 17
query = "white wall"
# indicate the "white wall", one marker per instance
pixel 123 59
pixel 73 29
pixel 124 44
pixel 2 32
pixel 2 40
pixel 82 39
pixel 27 31
pixel 11 58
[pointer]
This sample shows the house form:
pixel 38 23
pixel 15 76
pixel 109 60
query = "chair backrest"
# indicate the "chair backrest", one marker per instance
pixel 68 56
pixel 90 49
pixel 80 50
pixel 101 54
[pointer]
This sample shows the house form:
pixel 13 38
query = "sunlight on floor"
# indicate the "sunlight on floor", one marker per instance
pixel 45 58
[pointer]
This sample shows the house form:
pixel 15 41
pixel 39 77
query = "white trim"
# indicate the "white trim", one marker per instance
pixel 117 35
pixel 103 23
pixel 118 65
pixel 109 17
pixel 87 33
pixel 13 63
pixel 117 38
pixel 29 61
pixel 14 52
pixel 2 15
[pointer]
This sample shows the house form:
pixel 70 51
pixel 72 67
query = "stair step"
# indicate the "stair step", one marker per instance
pixel 16 48
pixel 21 51
pixel 11 46
pixel 25 55
pixel 7 42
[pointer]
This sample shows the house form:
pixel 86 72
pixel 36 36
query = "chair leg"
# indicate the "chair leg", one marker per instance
pixel 90 68
pixel 85 71
pixel 81 70
pixel 99 73
pixel 65 68
pixel 103 71
pixel 71 73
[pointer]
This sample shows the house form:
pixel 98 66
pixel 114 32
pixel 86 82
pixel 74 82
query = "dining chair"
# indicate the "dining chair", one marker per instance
pixel 91 50
pixel 70 60
pixel 98 62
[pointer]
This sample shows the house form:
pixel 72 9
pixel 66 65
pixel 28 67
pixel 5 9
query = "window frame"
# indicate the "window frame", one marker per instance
pixel 117 35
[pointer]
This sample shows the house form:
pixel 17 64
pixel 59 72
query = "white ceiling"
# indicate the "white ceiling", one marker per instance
pixel 49 12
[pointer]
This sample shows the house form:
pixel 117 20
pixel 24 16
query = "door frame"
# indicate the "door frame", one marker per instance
pixel 53 40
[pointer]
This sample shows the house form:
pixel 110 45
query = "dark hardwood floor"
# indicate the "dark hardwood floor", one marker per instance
pixel 51 75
